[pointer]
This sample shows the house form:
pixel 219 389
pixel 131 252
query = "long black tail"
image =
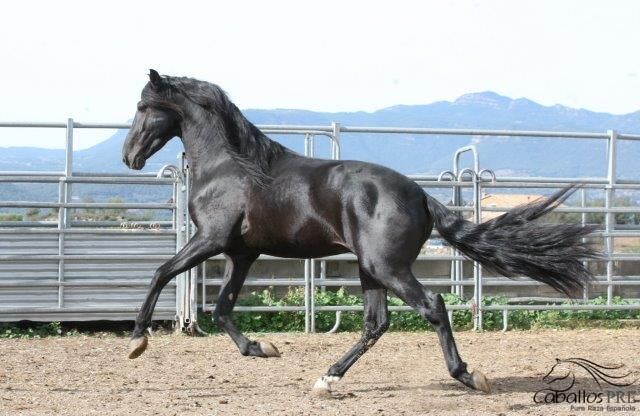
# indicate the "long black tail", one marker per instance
pixel 514 245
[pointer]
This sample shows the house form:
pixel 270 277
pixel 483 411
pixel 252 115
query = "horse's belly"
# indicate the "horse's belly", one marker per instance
pixel 303 252
pixel 284 237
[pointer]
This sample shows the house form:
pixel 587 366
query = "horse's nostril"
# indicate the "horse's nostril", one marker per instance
pixel 136 163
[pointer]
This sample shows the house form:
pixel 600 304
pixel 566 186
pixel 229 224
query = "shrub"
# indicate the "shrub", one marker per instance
pixel 405 320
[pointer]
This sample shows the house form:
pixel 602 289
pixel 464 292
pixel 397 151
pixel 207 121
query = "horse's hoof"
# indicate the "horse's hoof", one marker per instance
pixel 268 349
pixel 137 346
pixel 322 388
pixel 480 382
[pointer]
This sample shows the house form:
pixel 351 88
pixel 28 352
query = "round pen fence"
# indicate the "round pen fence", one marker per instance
pixel 65 269
pixel 69 269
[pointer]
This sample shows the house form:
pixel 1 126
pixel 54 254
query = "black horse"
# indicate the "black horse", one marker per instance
pixel 251 195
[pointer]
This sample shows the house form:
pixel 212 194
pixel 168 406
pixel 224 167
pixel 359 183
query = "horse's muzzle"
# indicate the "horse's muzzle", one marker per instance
pixel 137 163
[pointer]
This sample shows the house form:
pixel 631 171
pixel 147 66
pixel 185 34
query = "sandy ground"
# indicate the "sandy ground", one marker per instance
pixel 403 374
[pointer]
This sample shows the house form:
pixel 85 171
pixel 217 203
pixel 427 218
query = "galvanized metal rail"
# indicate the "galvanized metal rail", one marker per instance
pixel 476 179
pixel 71 270
pixel 50 261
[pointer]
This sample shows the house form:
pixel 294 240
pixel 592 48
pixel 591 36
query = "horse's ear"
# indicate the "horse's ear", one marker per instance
pixel 155 78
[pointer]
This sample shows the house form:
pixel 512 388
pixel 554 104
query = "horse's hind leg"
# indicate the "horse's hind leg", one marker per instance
pixel 432 308
pixel 376 322
pixel 235 273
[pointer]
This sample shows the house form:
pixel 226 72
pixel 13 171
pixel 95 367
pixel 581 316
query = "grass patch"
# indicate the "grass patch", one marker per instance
pixel 409 320
pixel 33 330
pixel 258 322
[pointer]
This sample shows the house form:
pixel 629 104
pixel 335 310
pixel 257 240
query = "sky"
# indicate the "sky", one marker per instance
pixel 89 60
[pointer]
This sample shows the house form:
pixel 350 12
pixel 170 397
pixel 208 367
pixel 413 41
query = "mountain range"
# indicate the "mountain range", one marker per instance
pixel 408 153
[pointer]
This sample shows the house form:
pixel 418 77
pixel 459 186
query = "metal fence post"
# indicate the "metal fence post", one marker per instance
pixel 68 162
pixel 477 271
pixel 335 145
pixel 610 218
pixel 182 292
pixel 191 273
pixel 309 295
pixel 335 155
pixel 312 293
pixel 64 196
pixel 583 220
pixel 61 226
pixel 456 265
pixel 477 268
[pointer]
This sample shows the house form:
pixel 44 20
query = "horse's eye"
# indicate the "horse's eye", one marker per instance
pixel 141 107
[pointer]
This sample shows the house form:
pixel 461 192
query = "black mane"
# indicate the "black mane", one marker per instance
pixel 246 144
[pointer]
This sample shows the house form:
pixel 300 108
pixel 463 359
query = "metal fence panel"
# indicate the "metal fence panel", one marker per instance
pixel 90 281
pixel 64 273
pixel 77 270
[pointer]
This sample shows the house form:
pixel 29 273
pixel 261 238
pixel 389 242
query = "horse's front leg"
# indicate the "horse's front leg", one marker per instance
pixel 235 273
pixel 198 249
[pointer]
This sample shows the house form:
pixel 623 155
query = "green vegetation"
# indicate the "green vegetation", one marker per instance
pixel 86 214
pixel 407 320
pixel 11 217
pixel 27 329
pixel 110 214
pixel 34 330
pixel 351 321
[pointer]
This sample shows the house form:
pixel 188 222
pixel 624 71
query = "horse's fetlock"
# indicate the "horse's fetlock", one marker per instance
pixel 244 350
pixel 459 370
pixel 384 325
pixel 334 371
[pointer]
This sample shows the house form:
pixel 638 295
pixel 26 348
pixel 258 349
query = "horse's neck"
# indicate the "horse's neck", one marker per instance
pixel 204 147
pixel 207 147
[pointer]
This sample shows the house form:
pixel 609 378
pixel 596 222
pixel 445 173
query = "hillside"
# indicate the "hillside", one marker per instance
pixel 407 153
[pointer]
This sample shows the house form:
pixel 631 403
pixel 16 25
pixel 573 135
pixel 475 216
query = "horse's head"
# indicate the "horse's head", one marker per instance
pixel 613 375
pixel 559 371
pixel 561 376
pixel 156 122
pixel 563 372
